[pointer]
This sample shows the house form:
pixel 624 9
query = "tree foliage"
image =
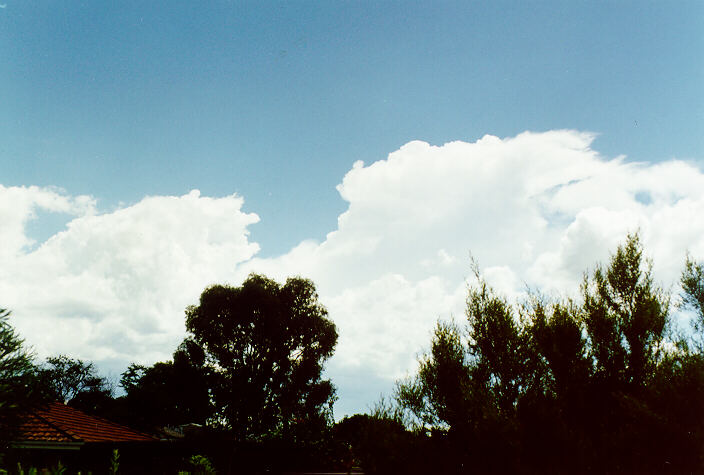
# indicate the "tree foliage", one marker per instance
pixel 625 316
pixel 170 393
pixel 693 291
pixel 68 378
pixel 264 345
pixel 379 444
pixel 564 386
pixel 17 392
pixel 75 382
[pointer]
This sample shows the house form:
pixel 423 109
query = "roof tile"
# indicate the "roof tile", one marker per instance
pixel 58 422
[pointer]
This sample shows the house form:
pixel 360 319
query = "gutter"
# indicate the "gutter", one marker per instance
pixel 42 444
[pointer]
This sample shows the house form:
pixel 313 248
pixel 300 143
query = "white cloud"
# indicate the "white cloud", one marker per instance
pixel 537 209
pixel 385 323
pixel 115 285
pixel 19 204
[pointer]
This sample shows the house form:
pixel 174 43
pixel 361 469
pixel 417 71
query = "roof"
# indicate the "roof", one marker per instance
pixel 60 424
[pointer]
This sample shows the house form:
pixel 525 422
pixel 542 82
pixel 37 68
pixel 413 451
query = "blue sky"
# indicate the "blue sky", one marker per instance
pixel 117 101
pixel 275 101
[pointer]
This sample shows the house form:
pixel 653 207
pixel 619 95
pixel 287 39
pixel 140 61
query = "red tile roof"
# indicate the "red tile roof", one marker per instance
pixel 36 429
pixel 60 423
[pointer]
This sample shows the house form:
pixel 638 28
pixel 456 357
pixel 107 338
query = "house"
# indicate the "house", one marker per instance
pixel 59 433
pixel 61 427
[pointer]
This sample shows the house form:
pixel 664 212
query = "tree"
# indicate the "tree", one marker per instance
pixel 264 345
pixel 693 286
pixel 496 345
pixel 380 444
pixel 679 386
pixel 76 383
pixel 560 386
pixel 17 392
pixel 467 389
pixel 437 396
pixel 625 316
pixel 557 373
pixel 168 393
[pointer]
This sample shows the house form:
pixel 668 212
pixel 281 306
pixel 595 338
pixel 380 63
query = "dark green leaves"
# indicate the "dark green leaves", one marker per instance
pixel 625 316
pixel 17 379
pixel 263 347
pixel 68 378
pixel 565 387
pixel 693 287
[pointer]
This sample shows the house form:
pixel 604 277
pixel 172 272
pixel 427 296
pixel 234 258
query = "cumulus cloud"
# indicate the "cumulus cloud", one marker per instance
pixel 114 286
pixel 535 210
pixel 20 204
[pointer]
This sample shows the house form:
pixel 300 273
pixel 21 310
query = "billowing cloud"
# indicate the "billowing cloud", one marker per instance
pixel 18 205
pixel 114 286
pixel 535 210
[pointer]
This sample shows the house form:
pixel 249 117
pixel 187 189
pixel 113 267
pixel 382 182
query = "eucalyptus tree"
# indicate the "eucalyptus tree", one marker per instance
pixel 264 346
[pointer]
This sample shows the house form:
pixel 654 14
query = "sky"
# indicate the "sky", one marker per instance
pixel 150 149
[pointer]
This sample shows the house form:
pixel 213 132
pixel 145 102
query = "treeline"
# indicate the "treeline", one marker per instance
pixel 604 384
pixel 246 382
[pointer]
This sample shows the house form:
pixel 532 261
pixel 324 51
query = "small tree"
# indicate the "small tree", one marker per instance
pixel 75 382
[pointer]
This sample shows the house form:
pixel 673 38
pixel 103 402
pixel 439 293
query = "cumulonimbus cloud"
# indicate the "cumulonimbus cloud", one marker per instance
pixel 535 210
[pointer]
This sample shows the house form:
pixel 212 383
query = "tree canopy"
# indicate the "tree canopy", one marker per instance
pixel 169 393
pixel 74 381
pixel 565 386
pixel 601 383
pixel 17 388
pixel 264 345
pixel 693 291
